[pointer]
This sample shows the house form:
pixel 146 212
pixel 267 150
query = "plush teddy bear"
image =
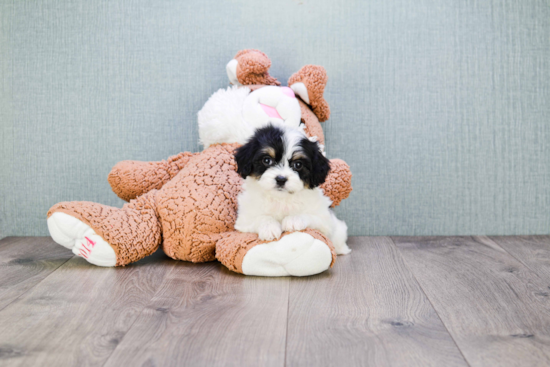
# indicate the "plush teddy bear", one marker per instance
pixel 188 203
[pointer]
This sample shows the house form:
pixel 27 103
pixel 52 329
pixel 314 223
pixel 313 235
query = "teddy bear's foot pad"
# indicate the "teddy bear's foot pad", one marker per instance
pixel 77 236
pixel 296 254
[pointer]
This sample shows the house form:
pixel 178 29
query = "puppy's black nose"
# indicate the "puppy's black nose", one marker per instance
pixel 281 180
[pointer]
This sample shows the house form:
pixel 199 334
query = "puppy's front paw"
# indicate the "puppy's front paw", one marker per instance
pixel 295 223
pixel 270 231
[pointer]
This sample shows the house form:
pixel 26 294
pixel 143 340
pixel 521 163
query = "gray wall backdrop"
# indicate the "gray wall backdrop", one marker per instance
pixel 440 107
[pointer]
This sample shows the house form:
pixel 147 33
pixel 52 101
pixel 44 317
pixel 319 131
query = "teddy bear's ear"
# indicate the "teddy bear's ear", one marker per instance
pixel 250 67
pixel 309 83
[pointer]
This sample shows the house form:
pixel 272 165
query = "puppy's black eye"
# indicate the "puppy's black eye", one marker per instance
pixel 297 165
pixel 267 161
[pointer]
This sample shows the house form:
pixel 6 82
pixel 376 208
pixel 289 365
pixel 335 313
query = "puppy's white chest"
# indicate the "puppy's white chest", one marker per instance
pixel 281 208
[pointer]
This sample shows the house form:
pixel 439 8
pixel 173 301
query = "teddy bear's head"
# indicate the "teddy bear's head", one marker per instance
pixel 256 98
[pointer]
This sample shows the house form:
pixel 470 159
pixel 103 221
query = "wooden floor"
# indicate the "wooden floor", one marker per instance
pixel 402 301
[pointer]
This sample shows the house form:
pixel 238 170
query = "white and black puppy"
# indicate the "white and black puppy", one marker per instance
pixel 282 169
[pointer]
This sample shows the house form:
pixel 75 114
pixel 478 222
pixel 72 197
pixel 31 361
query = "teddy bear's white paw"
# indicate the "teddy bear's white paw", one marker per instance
pixel 270 230
pixel 295 223
pixel 77 236
pixel 296 254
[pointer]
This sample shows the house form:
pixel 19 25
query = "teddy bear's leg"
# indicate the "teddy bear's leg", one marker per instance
pixel 104 235
pixel 194 216
pixel 301 253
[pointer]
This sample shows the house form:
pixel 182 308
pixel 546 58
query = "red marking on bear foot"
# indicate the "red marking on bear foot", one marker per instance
pixel 87 247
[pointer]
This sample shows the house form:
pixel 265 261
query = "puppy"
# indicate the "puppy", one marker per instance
pixel 282 169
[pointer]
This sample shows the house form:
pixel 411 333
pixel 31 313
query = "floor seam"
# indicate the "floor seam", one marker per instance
pixel 287 317
pixel 429 300
pixel 138 316
pixel 512 256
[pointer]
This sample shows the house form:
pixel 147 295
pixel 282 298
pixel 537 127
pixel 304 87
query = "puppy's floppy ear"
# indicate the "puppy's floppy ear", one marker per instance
pixel 320 165
pixel 244 156
pixel 320 168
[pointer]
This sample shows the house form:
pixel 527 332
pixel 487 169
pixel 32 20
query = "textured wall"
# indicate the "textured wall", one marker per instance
pixel 440 107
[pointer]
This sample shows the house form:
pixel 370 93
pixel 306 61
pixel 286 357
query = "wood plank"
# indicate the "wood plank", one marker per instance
pixel 532 251
pixel 367 311
pixel 25 262
pixel 492 304
pixel 204 315
pixel 8 240
pixel 79 314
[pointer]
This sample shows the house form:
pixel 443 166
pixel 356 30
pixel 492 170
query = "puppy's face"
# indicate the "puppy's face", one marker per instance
pixel 282 160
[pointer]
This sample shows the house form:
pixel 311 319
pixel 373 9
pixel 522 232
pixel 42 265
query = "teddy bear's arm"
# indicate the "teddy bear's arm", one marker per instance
pixel 130 179
pixel 337 186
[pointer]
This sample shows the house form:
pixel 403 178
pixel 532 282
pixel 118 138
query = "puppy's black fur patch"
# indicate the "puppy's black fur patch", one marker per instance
pixel 314 172
pixel 269 140
pixel 249 156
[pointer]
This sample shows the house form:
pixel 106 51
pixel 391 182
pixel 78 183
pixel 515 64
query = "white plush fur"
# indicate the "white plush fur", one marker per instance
pixel 221 118
pixel 269 210
pixel 296 254
pixel 232 115
pixel 287 107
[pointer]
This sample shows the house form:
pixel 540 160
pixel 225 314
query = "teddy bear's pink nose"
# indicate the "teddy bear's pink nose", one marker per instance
pixel 289 92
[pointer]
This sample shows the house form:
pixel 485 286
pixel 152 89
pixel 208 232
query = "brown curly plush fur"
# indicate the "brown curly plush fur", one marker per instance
pixel 315 79
pixel 252 68
pixel 130 179
pixel 338 185
pixel 313 127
